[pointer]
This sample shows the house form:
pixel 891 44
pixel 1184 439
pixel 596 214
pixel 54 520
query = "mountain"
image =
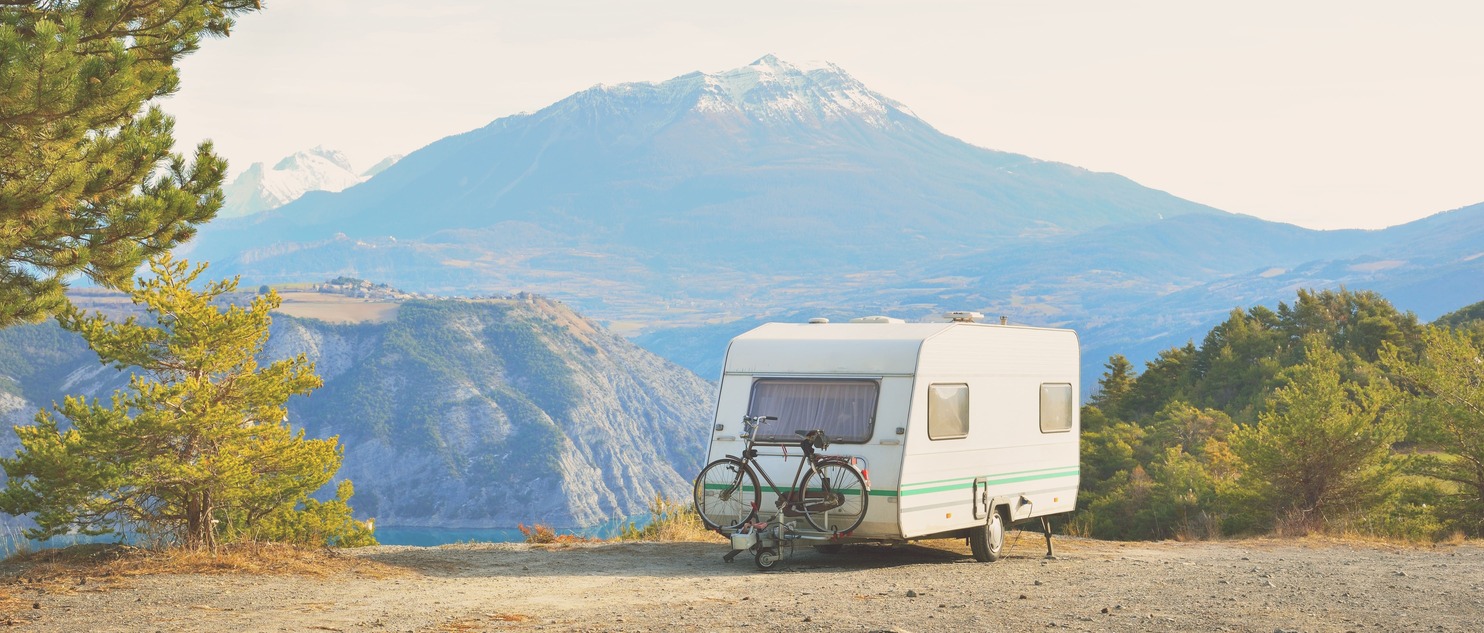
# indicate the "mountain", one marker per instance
pixel 381 166
pixel 259 189
pixel 1141 288
pixel 454 413
pixel 755 176
pixel 682 211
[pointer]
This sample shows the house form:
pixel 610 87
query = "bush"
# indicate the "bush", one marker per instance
pixel 539 534
pixel 318 523
pixel 669 520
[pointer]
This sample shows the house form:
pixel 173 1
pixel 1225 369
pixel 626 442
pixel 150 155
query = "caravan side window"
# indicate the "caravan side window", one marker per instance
pixel 948 412
pixel 1056 407
pixel 844 409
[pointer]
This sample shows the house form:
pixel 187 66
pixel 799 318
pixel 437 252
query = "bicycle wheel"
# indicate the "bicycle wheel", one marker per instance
pixel 726 494
pixel 837 502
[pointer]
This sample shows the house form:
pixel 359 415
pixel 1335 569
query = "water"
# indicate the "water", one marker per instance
pixel 12 541
pixel 430 536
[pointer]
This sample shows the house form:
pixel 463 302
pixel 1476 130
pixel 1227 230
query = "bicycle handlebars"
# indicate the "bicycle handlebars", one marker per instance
pixel 814 438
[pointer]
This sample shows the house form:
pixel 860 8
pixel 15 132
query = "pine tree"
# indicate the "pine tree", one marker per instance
pixel 1180 425
pixel 197 445
pixel 82 188
pixel 1321 448
pixel 1115 384
pixel 1449 376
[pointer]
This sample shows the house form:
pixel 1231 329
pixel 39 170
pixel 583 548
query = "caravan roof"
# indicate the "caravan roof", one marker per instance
pixel 831 348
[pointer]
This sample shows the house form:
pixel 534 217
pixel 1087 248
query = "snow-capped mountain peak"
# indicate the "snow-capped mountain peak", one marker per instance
pixel 259 189
pixel 769 89
pixel 313 159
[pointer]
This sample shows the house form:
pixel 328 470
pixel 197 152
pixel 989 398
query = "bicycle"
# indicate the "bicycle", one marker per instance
pixel 831 494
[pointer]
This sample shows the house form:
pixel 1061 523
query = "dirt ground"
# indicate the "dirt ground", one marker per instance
pixel 1250 585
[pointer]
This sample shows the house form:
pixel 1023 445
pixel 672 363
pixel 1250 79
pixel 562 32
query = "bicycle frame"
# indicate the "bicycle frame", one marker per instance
pixel 788 502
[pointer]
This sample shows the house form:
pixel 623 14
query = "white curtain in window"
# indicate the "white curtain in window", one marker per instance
pixel 844 409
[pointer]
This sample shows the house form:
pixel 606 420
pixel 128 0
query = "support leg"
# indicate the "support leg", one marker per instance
pixel 1046 529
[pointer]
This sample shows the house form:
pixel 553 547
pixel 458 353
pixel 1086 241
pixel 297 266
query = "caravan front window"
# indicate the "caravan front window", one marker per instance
pixel 844 409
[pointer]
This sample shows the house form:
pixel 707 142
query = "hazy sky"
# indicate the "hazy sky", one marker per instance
pixel 1323 114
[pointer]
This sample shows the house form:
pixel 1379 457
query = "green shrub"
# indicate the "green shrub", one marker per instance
pixel 318 523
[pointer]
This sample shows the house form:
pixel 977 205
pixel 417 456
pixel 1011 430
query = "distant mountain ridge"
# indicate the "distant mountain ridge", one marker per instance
pixel 259 189
pixel 682 211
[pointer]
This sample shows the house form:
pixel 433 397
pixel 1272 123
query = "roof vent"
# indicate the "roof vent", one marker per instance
pixel 876 319
pixel 963 316
pixel 819 320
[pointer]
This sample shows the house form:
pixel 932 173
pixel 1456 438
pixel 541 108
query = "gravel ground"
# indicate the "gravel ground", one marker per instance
pixel 1250 585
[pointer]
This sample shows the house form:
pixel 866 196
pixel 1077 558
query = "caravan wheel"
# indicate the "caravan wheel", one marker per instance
pixel 987 541
pixel 766 558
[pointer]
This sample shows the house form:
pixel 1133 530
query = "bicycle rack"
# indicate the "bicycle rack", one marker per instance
pixel 771 541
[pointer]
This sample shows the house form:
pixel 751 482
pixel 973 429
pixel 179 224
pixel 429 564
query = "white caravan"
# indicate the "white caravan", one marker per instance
pixel 962 428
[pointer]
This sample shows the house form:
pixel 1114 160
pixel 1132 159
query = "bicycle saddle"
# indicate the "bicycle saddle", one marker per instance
pixel 815 437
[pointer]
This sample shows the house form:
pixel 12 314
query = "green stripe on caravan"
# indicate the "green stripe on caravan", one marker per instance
pixel 944 485
pixel 848 493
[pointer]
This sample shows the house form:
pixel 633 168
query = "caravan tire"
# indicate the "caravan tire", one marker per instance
pixel 988 541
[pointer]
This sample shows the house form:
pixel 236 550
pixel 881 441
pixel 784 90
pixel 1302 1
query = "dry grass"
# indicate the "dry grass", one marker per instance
pixel 671 521
pixel 239 558
pixel 99 567
pixel 336 308
pixel 1456 537
pixel 539 534
pixel 509 617
pixel 683 532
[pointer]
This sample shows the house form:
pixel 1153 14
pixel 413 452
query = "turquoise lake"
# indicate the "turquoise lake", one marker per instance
pixel 10 538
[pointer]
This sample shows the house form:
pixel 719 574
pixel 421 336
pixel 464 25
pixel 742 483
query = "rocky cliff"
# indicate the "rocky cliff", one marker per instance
pixel 457 413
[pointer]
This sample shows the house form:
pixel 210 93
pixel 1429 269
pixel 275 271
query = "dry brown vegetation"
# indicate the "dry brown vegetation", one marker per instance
pixel 331 308
pixel 101 567
pixel 672 521
pixel 539 534
pixel 336 308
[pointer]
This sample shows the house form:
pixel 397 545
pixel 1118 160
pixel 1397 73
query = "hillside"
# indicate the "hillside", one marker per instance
pixel 1470 315
pixel 454 413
